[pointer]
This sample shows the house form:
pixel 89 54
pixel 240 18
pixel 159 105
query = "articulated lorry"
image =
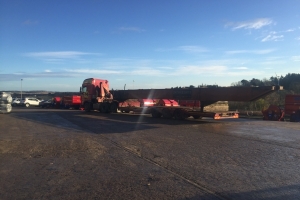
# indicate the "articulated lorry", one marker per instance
pixel 96 95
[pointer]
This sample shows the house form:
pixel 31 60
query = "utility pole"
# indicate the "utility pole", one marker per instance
pixel 21 88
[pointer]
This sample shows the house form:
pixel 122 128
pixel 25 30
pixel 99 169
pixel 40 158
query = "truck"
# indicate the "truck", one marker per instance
pixel 291 110
pixel 96 95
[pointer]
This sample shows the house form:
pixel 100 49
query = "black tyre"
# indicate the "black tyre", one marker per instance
pixel 105 108
pixel 197 117
pixel 87 107
pixel 113 107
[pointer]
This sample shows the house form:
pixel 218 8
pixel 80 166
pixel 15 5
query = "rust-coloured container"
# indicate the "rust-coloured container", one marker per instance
pixel 292 104
pixel 147 102
pixel 168 102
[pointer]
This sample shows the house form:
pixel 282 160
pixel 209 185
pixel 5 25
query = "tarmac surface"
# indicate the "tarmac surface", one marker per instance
pixel 71 154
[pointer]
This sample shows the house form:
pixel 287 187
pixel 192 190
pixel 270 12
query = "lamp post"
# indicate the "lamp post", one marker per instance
pixel 21 87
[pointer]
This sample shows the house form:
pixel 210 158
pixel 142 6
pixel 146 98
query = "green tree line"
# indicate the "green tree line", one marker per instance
pixel 290 83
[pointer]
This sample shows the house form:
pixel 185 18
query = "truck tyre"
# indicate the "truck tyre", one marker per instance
pixel 105 107
pixel 113 107
pixel 87 106
pixel 5 108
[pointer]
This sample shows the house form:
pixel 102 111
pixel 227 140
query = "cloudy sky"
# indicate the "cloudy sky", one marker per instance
pixel 54 45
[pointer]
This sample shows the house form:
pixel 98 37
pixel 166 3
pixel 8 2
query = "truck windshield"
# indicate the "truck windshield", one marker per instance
pixel 84 89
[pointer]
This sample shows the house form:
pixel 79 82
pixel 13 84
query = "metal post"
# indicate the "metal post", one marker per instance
pixel 21 88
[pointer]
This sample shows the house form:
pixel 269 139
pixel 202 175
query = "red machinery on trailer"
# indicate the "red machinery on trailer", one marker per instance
pixel 73 101
pixel 291 109
pixel 95 95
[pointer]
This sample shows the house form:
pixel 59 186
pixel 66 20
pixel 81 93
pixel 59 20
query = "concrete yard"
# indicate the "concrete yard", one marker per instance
pixel 71 154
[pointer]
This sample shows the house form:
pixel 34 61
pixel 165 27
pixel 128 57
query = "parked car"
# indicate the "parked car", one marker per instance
pixel 30 101
pixel 16 102
pixel 46 103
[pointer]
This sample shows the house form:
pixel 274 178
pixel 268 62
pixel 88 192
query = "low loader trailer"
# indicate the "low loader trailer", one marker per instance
pixel 169 108
pixel 96 95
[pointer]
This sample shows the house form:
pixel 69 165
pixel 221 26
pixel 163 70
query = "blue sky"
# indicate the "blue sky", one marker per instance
pixel 54 45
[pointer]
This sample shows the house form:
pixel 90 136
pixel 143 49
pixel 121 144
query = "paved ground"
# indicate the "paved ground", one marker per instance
pixel 65 154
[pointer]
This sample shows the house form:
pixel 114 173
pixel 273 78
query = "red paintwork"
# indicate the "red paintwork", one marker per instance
pixel 167 102
pixel 273 113
pixel 71 101
pixel 292 104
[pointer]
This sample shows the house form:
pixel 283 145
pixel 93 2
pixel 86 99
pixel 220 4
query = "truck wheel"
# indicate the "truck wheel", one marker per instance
pixel 104 108
pixel 113 108
pixel 87 107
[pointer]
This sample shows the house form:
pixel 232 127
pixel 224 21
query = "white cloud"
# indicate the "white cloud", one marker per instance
pixel 59 57
pixel 273 37
pixel 298 38
pixel 192 49
pixel 94 71
pixel 241 68
pixel 244 73
pixel 187 48
pixel 47 70
pixel 56 54
pixel 263 51
pixel 290 30
pixel 197 70
pixel 296 58
pixel 254 24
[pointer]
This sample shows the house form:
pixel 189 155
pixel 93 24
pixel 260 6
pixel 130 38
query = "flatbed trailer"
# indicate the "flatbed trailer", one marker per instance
pixel 95 95
pixel 167 108
pixel 179 112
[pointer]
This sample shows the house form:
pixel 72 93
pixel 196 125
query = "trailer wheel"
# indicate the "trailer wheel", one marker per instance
pixel 166 113
pixel 155 113
pixel 197 117
pixel 179 114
